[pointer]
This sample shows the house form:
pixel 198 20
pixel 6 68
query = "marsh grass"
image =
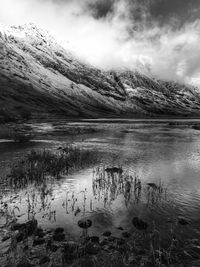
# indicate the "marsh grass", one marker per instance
pixel 36 166
pixel 110 182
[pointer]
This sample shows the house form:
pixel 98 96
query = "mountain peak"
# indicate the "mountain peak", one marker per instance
pixel 27 31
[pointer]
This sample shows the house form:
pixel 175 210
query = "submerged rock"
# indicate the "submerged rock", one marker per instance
pixel 139 224
pixel 40 233
pixel 59 237
pixel 27 228
pixel 85 223
pixel 183 221
pixel 59 234
pixel 31 226
pixel 59 230
pixel 17 226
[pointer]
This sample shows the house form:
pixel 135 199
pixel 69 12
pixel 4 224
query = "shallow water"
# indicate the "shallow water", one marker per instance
pixel 154 151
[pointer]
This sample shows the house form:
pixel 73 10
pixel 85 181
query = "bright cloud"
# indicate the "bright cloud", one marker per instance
pixel 116 40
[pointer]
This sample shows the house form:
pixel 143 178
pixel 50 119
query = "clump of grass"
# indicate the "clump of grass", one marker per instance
pixel 37 165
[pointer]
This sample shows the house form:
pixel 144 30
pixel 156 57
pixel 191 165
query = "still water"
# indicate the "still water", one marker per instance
pixel 155 152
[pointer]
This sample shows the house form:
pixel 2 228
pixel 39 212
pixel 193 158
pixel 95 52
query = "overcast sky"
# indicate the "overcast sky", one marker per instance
pixel 164 35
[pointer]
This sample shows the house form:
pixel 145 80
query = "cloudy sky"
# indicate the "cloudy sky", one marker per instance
pixel 162 35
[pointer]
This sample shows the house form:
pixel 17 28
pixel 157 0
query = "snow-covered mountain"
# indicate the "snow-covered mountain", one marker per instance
pixel 38 77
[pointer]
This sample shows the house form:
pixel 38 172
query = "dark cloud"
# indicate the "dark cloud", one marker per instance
pixel 173 12
pixel 100 9
pixel 163 34
pixel 180 11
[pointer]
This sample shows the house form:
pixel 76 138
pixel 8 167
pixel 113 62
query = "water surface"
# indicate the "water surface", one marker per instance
pixel 155 151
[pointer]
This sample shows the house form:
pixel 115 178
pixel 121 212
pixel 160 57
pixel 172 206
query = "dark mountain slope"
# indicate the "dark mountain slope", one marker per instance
pixel 38 77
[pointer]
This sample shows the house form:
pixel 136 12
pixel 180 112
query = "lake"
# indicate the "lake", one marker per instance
pixel 156 151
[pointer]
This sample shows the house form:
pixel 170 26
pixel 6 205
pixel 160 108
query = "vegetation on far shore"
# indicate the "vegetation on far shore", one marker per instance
pixel 26 132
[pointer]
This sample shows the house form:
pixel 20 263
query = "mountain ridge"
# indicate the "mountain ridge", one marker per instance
pixel 38 76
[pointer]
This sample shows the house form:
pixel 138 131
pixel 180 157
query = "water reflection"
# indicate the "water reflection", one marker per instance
pixel 105 190
pixel 121 184
pixel 110 182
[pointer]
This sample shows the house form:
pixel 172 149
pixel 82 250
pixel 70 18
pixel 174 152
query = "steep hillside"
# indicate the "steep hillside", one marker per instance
pixel 161 97
pixel 39 78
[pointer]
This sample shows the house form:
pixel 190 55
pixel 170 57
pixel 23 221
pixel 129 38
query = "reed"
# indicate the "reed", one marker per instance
pixel 38 165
